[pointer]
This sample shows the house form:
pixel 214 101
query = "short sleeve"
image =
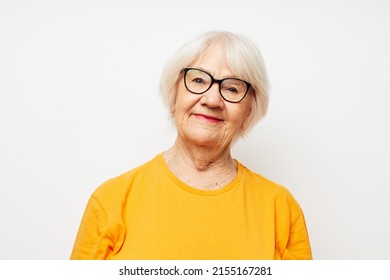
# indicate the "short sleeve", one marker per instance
pixel 298 245
pixel 93 241
pixel 292 239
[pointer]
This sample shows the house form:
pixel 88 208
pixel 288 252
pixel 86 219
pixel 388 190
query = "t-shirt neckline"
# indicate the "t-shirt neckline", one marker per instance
pixel 196 191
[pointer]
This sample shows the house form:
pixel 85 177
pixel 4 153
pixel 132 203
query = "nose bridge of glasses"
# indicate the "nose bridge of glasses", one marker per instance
pixel 215 81
pixel 217 86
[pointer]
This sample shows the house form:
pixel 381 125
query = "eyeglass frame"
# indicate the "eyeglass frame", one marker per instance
pixel 213 81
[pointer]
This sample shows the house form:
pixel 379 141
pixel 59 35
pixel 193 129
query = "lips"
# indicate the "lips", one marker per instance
pixel 208 117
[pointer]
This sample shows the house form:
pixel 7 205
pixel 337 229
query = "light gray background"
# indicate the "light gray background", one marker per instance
pixel 79 104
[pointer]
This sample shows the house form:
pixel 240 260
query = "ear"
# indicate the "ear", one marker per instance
pixel 172 107
pixel 249 113
pixel 247 119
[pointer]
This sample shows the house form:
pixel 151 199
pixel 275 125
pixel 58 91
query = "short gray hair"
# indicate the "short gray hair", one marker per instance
pixel 242 56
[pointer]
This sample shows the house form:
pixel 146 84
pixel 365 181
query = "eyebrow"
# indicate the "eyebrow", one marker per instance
pixel 208 72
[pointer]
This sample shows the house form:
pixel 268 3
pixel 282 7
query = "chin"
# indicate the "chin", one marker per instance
pixel 205 139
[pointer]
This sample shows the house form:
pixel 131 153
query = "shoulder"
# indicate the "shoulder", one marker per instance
pixel 263 184
pixel 117 188
pixel 270 191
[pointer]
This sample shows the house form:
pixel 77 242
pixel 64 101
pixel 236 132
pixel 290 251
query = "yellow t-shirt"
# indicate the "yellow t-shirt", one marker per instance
pixel 148 213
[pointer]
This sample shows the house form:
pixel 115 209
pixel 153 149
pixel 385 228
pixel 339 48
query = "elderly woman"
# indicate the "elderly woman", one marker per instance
pixel 194 201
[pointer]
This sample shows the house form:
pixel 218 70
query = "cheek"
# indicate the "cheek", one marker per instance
pixel 239 116
pixel 185 101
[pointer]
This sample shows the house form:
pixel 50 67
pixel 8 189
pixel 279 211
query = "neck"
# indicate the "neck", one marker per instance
pixel 201 167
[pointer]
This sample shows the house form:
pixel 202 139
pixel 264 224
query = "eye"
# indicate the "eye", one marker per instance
pixel 232 89
pixel 198 80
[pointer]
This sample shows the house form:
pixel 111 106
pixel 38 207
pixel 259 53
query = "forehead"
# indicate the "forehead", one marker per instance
pixel 213 60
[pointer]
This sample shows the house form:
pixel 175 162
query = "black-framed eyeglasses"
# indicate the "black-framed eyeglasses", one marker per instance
pixel 198 81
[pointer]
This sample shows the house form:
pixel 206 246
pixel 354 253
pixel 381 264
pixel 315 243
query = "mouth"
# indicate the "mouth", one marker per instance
pixel 208 118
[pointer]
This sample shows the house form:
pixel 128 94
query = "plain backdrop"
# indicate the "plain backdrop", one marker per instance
pixel 79 104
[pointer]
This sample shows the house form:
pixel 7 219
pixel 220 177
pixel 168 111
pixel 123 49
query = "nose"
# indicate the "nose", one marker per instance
pixel 212 98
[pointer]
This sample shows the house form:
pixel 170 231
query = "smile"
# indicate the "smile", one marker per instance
pixel 208 118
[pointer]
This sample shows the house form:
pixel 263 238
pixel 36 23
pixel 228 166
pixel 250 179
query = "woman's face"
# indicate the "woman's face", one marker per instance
pixel 206 119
